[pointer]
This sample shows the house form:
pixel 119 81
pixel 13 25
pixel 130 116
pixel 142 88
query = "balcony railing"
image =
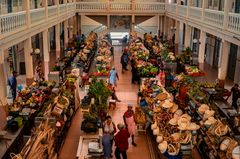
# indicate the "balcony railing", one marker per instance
pixel 149 7
pixel 195 13
pixel 213 17
pixel 234 23
pixel 182 10
pixel 121 6
pixel 12 22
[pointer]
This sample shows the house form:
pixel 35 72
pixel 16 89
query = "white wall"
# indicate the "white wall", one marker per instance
pixel 87 24
pixel 150 25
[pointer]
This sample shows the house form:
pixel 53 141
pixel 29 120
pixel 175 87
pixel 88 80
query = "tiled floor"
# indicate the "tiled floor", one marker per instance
pixel 127 93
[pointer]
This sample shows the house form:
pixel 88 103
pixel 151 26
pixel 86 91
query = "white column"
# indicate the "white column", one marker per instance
pixel 28 61
pixel 57 39
pixel 222 70
pixel 187 36
pixel 56 2
pixel 26 7
pixel 46 54
pixel 178 3
pixel 108 22
pixel 204 6
pixel 75 28
pixel 65 28
pixel 189 4
pixel 177 36
pixel 158 23
pixel 202 46
pixel 165 27
pixel 45 5
pixel 70 28
pixel 133 23
pixel 227 9
pixel 3 84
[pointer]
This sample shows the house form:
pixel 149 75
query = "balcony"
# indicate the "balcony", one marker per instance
pixel 13 23
pixel 206 18
pixel 113 7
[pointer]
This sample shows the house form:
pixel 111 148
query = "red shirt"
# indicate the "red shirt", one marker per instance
pixel 121 139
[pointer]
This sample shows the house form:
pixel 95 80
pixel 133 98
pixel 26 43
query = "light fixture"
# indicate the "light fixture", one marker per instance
pixel 36 52
pixel 195 40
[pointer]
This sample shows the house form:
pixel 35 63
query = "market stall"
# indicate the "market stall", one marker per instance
pixel 193 125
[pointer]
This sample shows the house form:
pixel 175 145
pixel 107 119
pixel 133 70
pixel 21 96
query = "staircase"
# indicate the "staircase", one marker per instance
pixel 100 30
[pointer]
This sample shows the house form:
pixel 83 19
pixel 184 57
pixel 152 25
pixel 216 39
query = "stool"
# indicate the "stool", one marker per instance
pixel 141 128
pixel 112 102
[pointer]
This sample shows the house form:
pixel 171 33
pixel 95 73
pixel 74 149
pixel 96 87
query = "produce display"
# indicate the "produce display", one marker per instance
pixel 193 71
pixel 103 59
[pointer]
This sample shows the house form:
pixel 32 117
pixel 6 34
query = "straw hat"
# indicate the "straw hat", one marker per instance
pixel 203 108
pixel 236 152
pixel 225 144
pixel 221 130
pixel 173 149
pixel 174 108
pixel 154 125
pixel 178 114
pixel 186 137
pixel 183 123
pixel 159 138
pixel 208 114
pixel 193 126
pixel 167 104
pixel 176 136
pixel 163 146
pixel 186 116
pixel 173 121
pixel 211 120
pixel 156 131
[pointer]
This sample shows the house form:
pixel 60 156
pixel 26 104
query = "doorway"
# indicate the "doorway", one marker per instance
pixel 232 61
pixel 216 52
pixel 117 37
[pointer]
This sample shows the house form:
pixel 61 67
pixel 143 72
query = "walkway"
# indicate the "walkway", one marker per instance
pixel 127 93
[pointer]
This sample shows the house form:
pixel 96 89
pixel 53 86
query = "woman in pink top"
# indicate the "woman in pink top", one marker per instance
pixel 129 121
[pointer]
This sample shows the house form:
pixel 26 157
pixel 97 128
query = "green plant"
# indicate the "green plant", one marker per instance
pixel 100 92
pixel 188 50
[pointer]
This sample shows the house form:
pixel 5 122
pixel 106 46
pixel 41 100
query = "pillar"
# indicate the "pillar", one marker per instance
pixel 204 6
pixel 187 36
pixel 65 28
pixel 227 9
pixel 158 24
pixel 189 4
pixel 108 22
pixel 133 23
pixel 26 7
pixel 45 5
pixel 177 36
pixel 3 84
pixel 70 28
pixel 46 54
pixel 57 36
pixel 75 28
pixel 56 2
pixel 165 27
pixel 222 70
pixel 28 61
pixel 202 46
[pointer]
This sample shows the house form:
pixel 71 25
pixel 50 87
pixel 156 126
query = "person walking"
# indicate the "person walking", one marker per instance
pixel 134 70
pixel 113 76
pixel 121 142
pixel 12 82
pixel 124 60
pixel 109 129
pixel 129 121
pixel 235 95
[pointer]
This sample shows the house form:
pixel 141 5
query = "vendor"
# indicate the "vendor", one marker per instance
pixel 235 95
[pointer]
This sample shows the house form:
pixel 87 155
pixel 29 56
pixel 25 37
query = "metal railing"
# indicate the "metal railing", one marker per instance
pixel 234 22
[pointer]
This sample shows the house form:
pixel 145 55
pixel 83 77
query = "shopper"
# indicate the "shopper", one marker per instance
pixel 124 60
pixel 113 77
pixel 235 95
pixel 109 129
pixel 134 70
pixel 12 82
pixel 129 121
pixel 38 72
pixel 114 96
pixel 121 142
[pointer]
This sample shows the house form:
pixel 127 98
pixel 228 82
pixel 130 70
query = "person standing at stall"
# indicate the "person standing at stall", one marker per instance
pixel 38 72
pixel 121 142
pixel 109 129
pixel 12 82
pixel 129 121
pixel 124 60
pixel 113 76
pixel 235 95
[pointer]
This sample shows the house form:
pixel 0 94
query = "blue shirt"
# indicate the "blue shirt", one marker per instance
pixel 12 82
